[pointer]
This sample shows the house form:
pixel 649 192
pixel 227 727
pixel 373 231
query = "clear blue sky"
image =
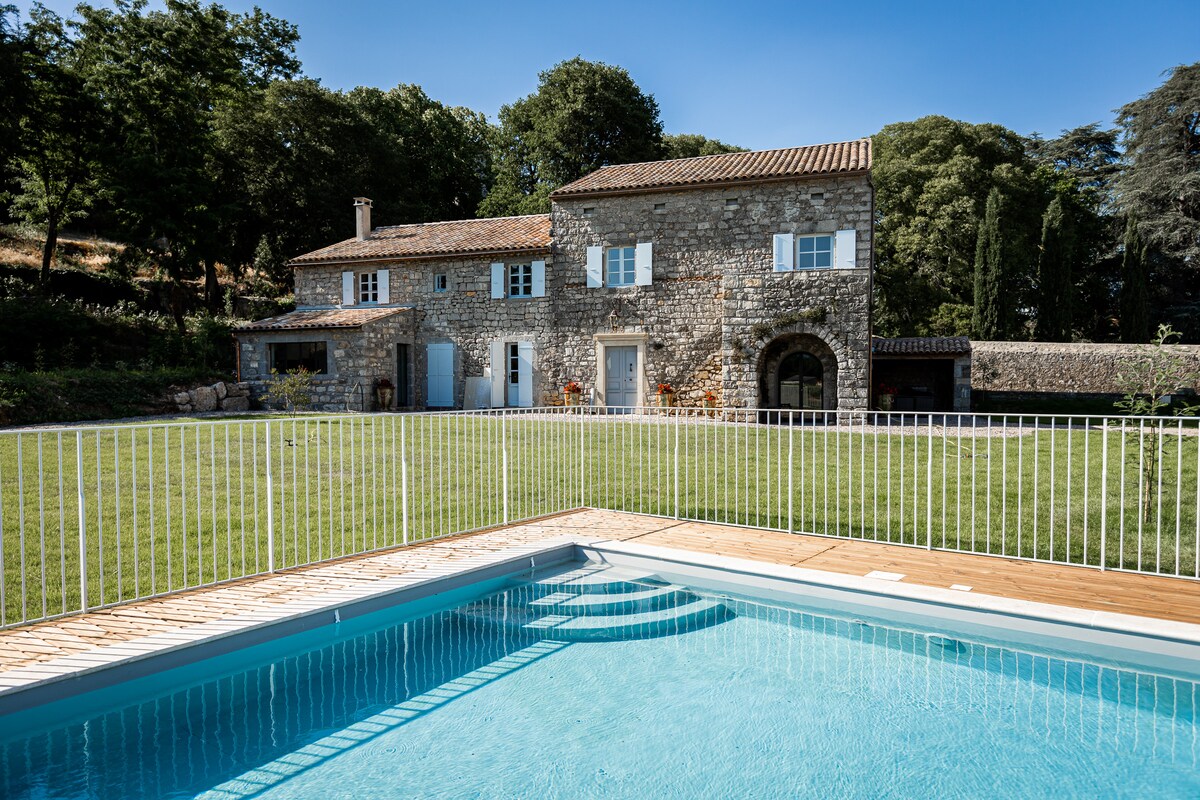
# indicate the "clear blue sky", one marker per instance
pixel 766 74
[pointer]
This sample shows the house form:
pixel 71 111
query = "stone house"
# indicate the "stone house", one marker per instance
pixel 747 275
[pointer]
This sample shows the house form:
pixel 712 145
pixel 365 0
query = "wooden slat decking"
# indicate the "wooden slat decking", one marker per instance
pixel 1165 598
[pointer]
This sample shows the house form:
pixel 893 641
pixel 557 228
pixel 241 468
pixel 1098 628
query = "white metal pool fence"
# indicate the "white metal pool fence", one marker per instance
pixel 98 515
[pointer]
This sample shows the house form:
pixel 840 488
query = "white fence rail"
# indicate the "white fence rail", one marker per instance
pixel 94 516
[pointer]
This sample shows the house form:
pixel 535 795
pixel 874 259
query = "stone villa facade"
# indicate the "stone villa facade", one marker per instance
pixel 744 275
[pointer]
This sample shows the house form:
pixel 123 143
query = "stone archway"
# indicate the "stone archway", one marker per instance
pixel 798 370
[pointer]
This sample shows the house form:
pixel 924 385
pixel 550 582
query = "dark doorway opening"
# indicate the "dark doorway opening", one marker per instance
pixel 920 384
pixel 403 377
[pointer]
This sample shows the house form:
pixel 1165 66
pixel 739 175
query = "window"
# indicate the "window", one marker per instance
pixel 731 203
pixel 660 206
pixel 439 282
pixel 589 211
pixel 368 287
pixel 817 197
pixel 514 363
pixel 520 280
pixel 814 252
pixel 288 356
pixel 620 267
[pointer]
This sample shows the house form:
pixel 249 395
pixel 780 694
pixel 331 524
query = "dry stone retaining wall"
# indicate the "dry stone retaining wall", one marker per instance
pixel 1058 368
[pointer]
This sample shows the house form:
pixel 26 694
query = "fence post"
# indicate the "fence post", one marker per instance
pixel 791 462
pixel 83 585
pixel 403 482
pixel 1104 494
pixel 676 460
pixel 270 505
pixel 929 487
pixel 582 462
pixel 504 462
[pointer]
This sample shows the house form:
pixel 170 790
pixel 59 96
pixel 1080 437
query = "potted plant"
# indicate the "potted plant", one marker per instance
pixel 887 396
pixel 666 395
pixel 572 393
pixel 384 392
pixel 710 398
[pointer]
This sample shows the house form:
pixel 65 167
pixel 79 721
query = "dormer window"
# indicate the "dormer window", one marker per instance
pixel 368 287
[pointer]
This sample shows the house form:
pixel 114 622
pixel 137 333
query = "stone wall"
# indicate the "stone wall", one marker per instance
pixel 220 396
pixel 1055 368
pixel 715 302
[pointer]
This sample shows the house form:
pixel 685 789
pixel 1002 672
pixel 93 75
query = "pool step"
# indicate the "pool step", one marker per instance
pixel 598 603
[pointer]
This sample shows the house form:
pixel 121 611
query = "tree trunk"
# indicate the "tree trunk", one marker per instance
pixel 48 250
pixel 212 289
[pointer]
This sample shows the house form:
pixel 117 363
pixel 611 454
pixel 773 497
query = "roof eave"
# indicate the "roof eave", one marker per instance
pixel 681 187
pixel 421 257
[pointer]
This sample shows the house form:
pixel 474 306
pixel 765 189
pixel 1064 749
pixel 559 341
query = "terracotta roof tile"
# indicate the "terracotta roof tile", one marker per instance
pixel 320 318
pixel 429 239
pixel 791 162
pixel 921 345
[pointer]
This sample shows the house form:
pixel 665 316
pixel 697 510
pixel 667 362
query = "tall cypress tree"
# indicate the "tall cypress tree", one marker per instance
pixel 992 314
pixel 1135 318
pixel 1055 285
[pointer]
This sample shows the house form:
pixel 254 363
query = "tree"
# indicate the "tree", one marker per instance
pixel 57 163
pixel 583 116
pixel 163 77
pixel 1160 183
pixel 1135 323
pixel 993 309
pixel 1055 262
pixel 13 90
pixel 932 177
pixel 691 145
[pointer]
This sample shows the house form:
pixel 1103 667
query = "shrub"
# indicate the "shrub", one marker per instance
pixel 81 394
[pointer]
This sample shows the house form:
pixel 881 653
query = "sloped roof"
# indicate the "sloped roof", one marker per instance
pixel 429 239
pixel 921 346
pixel 790 162
pixel 320 319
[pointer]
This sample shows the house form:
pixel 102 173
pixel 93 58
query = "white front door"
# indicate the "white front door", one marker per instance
pixel 440 385
pixel 621 377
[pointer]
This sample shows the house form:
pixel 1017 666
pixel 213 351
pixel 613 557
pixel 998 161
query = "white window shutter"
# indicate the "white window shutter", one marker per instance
pixel 497 280
pixel 845 247
pixel 539 279
pixel 347 288
pixel 385 288
pixel 498 372
pixel 785 252
pixel 595 267
pixel 643 264
pixel 525 374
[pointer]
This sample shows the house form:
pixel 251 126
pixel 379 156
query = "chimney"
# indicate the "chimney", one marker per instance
pixel 362 218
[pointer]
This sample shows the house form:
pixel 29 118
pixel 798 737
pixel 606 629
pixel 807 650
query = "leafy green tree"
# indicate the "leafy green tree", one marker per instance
pixel 993 316
pixel 691 145
pixel 583 116
pixel 1161 135
pixel 1055 285
pixel 57 163
pixel 163 77
pixel 1135 323
pixel 932 177
pixel 13 90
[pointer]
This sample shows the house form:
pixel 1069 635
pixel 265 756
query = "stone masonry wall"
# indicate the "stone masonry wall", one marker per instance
pixel 716 302
pixel 1045 367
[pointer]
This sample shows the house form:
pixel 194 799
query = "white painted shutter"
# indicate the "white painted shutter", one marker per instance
pixel 844 249
pixel 525 374
pixel 539 279
pixel 643 264
pixel 497 280
pixel 595 267
pixel 385 287
pixel 785 252
pixel 347 288
pixel 498 372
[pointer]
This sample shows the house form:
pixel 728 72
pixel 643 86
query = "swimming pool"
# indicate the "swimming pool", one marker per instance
pixel 612 682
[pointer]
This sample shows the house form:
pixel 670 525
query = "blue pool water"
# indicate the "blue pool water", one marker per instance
pixel 529 694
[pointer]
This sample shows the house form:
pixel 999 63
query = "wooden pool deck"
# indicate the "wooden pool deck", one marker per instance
pixel 73 638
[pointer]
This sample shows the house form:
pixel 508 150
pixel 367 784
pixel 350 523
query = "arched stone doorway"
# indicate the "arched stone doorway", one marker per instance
pixel 798 371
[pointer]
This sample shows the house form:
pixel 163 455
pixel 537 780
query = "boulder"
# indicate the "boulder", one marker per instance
pixel 235 404
pixel 219 388
pixel 204 398
pixel 182 399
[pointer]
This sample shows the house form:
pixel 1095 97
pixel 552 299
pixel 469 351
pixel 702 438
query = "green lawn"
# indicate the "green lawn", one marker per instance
pixel 170 506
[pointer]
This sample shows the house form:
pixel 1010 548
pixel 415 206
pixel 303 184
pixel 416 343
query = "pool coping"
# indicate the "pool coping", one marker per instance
pixel 1162 644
